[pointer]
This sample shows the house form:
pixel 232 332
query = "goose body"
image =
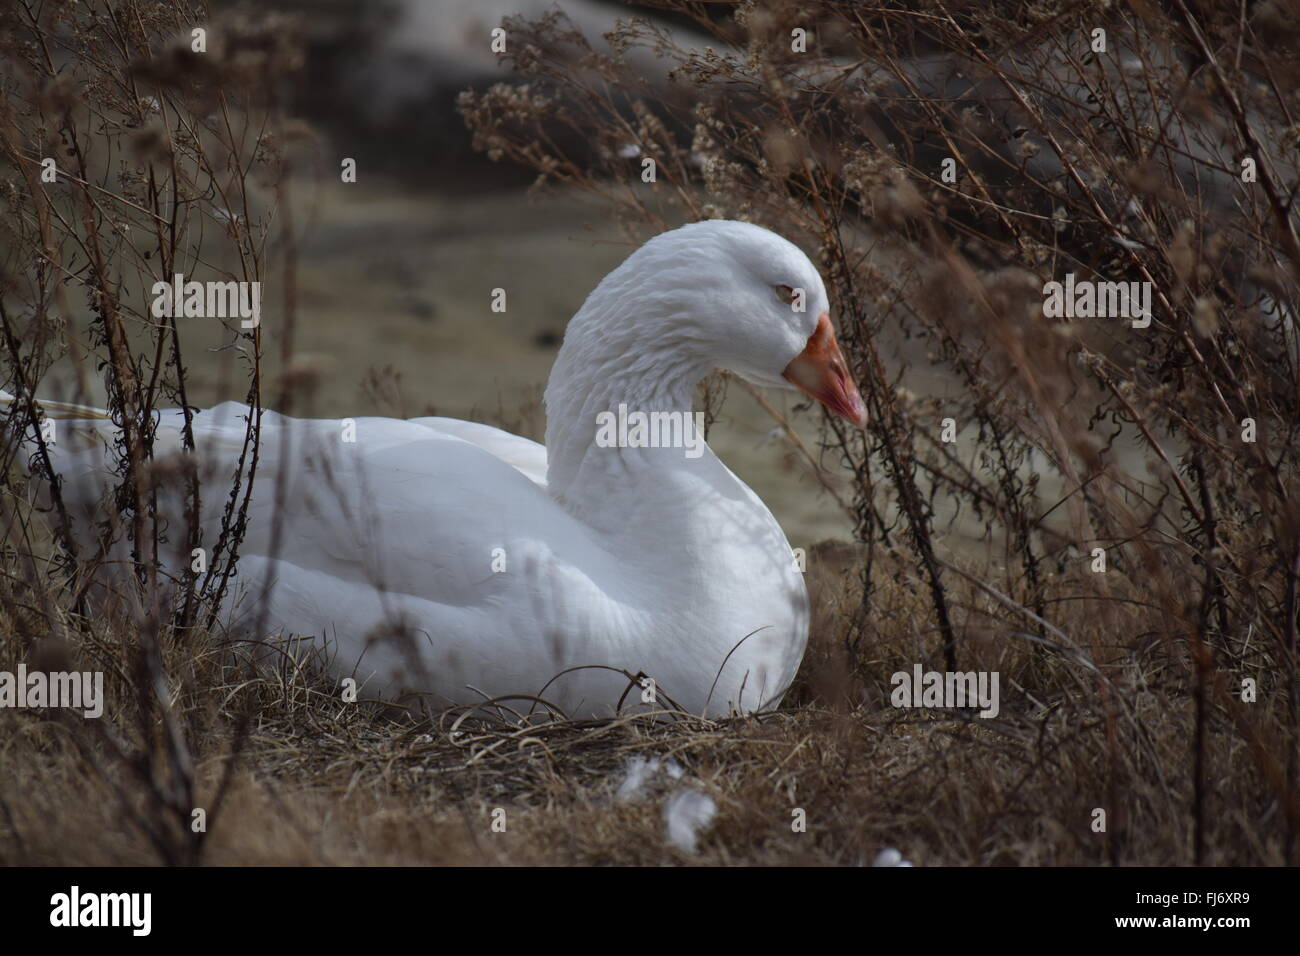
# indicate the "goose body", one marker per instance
pixel 454 560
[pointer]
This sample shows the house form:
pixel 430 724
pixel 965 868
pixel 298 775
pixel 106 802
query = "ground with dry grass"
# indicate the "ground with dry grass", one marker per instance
pixel 290 774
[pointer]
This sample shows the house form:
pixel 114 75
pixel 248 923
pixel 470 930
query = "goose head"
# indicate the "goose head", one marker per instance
pixel 735 296
pixel 778 330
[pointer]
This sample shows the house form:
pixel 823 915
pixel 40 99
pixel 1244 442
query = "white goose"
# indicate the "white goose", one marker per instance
pixel 461 562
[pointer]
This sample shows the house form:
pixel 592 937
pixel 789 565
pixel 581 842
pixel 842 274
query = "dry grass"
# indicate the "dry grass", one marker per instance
pixel 288 774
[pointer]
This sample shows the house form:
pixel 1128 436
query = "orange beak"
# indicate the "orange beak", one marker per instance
pixel 820 372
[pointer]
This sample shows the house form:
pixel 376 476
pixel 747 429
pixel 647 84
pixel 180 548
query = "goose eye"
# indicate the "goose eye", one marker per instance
pixel 785 294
